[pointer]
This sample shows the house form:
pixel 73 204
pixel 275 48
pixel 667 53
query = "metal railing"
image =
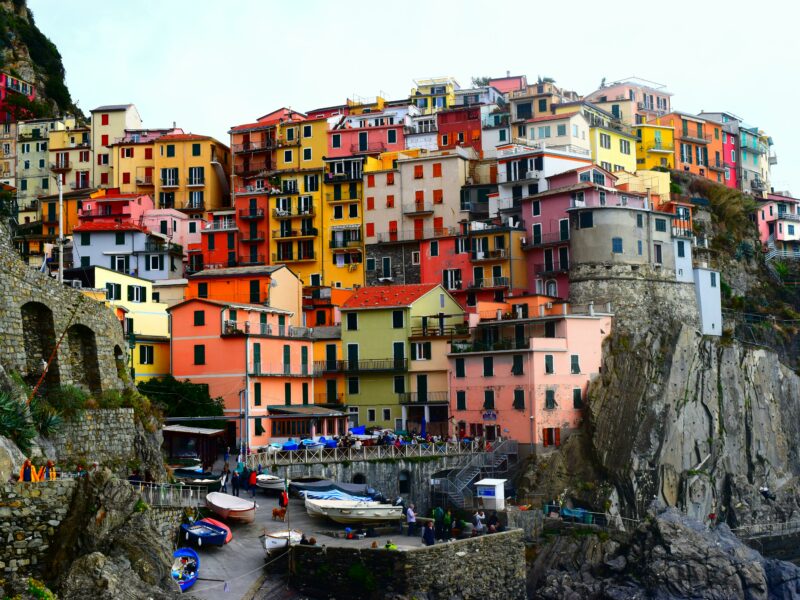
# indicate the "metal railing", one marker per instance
pixel 491 346
pixel 662 147
pixel 489 282
pixel 146 180
pixel 220 225
pixel 195 181
pixel 280 370
pixel 423 397
pixel 252 167
pixel 172 495
pixel 372 147
pixel 324 398
pixel 412 235
pixel 252 259
pixel 348 176
pixel 354 366
pixel 415 208
pixel 543 239
pixel 286 233
pixel 251 213
pixel 696 138
pixel 277 257
pixel 496 254
pixel 760 530
pixel 61 165
pixel 295 211
pixel 332 197
pixel 551 267
pixel 169 182
pixel 346 243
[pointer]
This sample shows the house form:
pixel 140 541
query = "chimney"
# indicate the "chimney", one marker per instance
pixel 508 73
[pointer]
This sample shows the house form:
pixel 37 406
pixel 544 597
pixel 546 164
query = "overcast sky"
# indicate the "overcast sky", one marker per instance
pixel 210 65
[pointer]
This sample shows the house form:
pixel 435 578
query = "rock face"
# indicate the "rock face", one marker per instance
pixel 670 556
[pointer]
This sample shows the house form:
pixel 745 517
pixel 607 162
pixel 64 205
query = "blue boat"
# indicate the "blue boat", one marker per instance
pixel 310 444
pixel 203 533
pixel 185 567
pixel 290 446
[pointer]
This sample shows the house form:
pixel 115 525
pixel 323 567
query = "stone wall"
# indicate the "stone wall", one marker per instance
pixel 403 272
pixel 30 514
pixel 531 522
pixel 34 313
pixel 485 568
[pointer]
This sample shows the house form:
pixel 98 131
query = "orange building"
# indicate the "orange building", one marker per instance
pixel 698 145
pixel 262 370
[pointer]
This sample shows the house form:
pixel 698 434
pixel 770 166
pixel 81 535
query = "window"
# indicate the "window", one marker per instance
pixel 137 293
pixel 575 364
pixel 415 257
pixel 577 398
pixel 605 142
pixel 391 136
pixel 306 131
pixel 461 400
pixel 548 364
pixel 104 119
pixel 516 366
pixel 336 140
pixel 399 384
pixel 145 355
pixel 352 321
pixel 661 225
pixel 114 291
pixel 657 251
pixel 371 415
pixel 437 169
pixel 681 249
pixel 104 140
pixel 434 248
pixel 550 399
pixel 536 208
pixel 586 220
pixel 639 220
pixel 199 317
pixel 418 174
pixel 625 146
pixel 421 351
pixel 460 370
pixel 616 245
pixel 192 226
pixel 488 366
pixel 639 247
pixel 445 140
pixel 352 385
pixel 488 399
pixel 199 354
pixel 397 319
pixel 561 130
pixel 713 280
pixel 502 133
pixel 390 201
pixel 519 400
pixel 287 156
pixel 119 238
pixel 370 260
pixel 202 290
pixel 438 196
pixel 544 132
pixel 306 153
pixel 338 212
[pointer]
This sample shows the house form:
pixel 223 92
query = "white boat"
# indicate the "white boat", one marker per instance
pixel 275 540
pixel 232 508
pixel 353 511
pixel 271 482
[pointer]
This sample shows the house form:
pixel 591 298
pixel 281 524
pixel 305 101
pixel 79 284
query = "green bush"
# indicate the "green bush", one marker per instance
pixel 68 399
pixel 110 399
pixel 15 422
pixel 46 419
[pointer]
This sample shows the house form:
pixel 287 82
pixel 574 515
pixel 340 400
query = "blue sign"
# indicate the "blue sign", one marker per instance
pixel 490 415
pixel 486 492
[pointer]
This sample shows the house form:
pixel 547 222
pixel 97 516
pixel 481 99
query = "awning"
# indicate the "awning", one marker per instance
pixel 302 411
pixel 343 227
pixel 193 430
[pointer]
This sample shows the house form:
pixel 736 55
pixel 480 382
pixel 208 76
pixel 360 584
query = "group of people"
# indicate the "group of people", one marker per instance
pixel 239 478
pixel 29 472
pixel 444 525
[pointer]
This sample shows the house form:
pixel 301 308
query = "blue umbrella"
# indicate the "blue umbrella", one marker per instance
pixel 423 429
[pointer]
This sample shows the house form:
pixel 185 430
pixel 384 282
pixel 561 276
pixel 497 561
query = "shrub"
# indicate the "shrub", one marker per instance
pixel 46 419
pixel 15 422
pixel 68 399
pixel 111 399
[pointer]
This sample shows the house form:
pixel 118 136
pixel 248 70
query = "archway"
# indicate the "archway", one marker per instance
pixel 359 478
pixel 84 366
pixel 39 339
pixel 404 482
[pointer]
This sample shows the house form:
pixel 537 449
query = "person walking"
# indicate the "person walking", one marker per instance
pixel 235 481
pixel 428 534
pixel 283 499
pixel 252 478
pixel 438 519
pixel 447 523
pixel 227 455
pixel 411 519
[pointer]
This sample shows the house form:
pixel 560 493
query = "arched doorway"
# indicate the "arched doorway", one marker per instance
pixel 82 348
pixel 39 339
pixel 359 478
pixel 404 482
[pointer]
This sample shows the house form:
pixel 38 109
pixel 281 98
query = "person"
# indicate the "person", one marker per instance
pixel 48 472
pixel 27 472
pixel 438 519
pixel 447 523
pixel 390 545
pixel 429 534
pixel 252 481
pixel 227 455
pixel 235 480
pixel 493 522
pixel 304 540
pixel 477 520
pixel 223 483
pixel 411 519
pixel 283 499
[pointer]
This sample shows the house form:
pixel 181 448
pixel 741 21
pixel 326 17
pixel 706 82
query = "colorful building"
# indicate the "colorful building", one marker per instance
pixel 535 100
pixel 434 94
pixel 70 156
pixel 461 127
pixel 778 222
pixel 648 99
pixel 525 370
pixel 134 157
pixel 109 124
pixel 655 147
pixel 698 144
pixel 393 338
pixel 11 86
pixel 8 156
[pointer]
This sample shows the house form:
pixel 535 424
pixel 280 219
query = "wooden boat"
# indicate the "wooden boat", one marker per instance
pixel 212 484
pixel 232 508
pixel 276 540
pixel 350 511
pixel 221 525
pixel 271 482
pixel 204 534
pixel 185 567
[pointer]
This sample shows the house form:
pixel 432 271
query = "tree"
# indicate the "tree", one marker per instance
pixel 480 81
pixel 183 399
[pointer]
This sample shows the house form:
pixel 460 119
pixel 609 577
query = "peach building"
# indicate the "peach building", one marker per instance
pixel 526 369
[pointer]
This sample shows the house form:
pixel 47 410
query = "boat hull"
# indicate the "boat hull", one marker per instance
pixel 204 534
pixel 231 508
pixel 180 574
pixel 272 483
pixel 278 540
pixel 347 512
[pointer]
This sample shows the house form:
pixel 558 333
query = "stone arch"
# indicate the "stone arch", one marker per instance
pixel 359 478
pixel 404 482
pixel 82 357
pixel 39 339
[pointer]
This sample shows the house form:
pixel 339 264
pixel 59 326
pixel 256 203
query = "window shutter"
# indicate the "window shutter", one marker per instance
pixel 144 294
pixel 112 263
pixel 426 348
pixel 544 437
pixel 118 291
pixel 413 352
pixel 142 355
pixel 127 264
pixel 146 263
pixel 130 293
pixel 558 436
pixel 160 262
pixel 110 290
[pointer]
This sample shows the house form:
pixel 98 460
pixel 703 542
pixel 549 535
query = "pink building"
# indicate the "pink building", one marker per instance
pixel 525 372
pixel 115 207
pixel 730 159
pixel 368 133
pixel 546 222
pixel 778 221
pixel 178 227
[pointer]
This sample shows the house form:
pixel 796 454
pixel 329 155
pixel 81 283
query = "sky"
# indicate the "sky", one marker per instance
pixel 209 65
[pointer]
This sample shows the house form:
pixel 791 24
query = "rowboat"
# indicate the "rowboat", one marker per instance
pixel 221 525
pixel 276 540
pixel 350 511
pixel 185 567
pixel 270 482
pixel 204 533
pixel 232 508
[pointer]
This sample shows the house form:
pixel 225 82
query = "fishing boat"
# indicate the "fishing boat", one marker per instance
pixel 185 567
pixel 350 511
pixel 203 533
pixel 310 444
pixel 221 525
pixel 192 472
pixel 270 482
pixel 232 508
pixel 212 484
pixel 276 540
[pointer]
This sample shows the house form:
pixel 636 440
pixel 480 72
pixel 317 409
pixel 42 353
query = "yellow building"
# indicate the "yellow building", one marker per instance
pixel 434 94
pixel 190 173
pixel 71 156
pixel 108 126
pixel 134 157
pixel 145 323
pixel 612 149
pixel 655 147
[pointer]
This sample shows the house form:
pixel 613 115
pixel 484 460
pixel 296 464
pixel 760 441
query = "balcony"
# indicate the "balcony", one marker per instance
pixel 755 148
pixel 282 234
pixel 147 180
pixel 252 259
pixel 151 247
pixel 61 166
pixel 660 147
pixel 252 238
pixel 339 177
pixel 261 369
pixel 280 213
pixel 373 148
pixel 503 176
pixel 120 213
pixel 787 216
pixel 330 197
pixel 489 283
pixel 546 239
pixel 488 255
pixel 251 213
pixel 551 268
pixel 434 331
pixel 696 138
pixel 375 364
pixel 263 329
pixel 220 225
pixel 491 345
pixel 195 181
pixel 387 237
pixel 490 121
pixel 280 258
pixel 344 244
pixel 773 158
pixel 79 185
pixel 717 166
pixel 423 397
pixel 193 205
pixel 255 146
pixel 758 185
pixel 417 208
pixel 329 399
pixel 328 366
pixel 169 183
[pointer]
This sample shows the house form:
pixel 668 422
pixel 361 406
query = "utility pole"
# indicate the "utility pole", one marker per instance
pixel 60 183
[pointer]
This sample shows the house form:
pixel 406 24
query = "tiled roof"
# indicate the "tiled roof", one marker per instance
pixel 231 271
pixel 387 296
pixel 112 107
pixel 552 117
pixel 109 226
pixel 237 305
pixel 182 137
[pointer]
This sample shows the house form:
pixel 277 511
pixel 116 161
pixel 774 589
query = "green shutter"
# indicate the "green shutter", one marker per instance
pixel 305 393
pixel 257 393
pixel 144 294
pixel 304 361
pixel 287 393
pixel 130 293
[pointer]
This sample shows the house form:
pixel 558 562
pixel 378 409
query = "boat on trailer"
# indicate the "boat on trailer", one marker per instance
pixel 203 533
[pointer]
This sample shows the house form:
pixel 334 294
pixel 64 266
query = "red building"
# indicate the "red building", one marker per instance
pixel 12 86
pixel 460 127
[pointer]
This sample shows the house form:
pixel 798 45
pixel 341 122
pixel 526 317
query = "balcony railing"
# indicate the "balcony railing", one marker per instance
pixel 294 233
pixel 295 211
pixel 368 148
pixel 434 331
pixel 263 329
pixel 551 267
pixel 262 369
pixel 787 216
pixel 79 185
pixel 60 166
pixel 145 180
pixel 423 397
pixel 103 212
pixel 491 346
pixel 695 137
pixel 329 398
pixel 255 146
pixel 417 208
pixel 194 205
pixel 346 243
pixel 353 366
pixel 252 259
pixel 348 176
pixel 503 177
pixel 412 235
pixel 489 282
pixel 490 121
pixel 662 147
pixel 758 185
pixel 252 238
pixel 278 257
pixel 195 181
pixel 158 248
pixel 251 213
pixel 545 239
pixel 169 183
pixel 220 225
pixel 331 197
pixel 717 166
pixel 755 149
pixel 482 255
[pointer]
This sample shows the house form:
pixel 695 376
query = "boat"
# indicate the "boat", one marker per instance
pixel 221 525
pixel 212 484
pixel 232 508
pixel 349 511
pixel 289 446
pixel 276 540
pixel 310 444
pixel 270 482
pixel 192 472
pixel 185 567
pixel 204 533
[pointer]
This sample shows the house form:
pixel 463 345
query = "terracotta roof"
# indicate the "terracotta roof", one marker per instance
pixel 233 271
pixel 238 305
pixel 109 226
pixel 552 117
pixel 182 137
pixel 387 296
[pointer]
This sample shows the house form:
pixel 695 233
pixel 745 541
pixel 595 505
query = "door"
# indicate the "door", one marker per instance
pixel 657 138
pixel 563 258
pixel 330 391
pixel 287 360
pixel 253 206
pixel 353 191
pixel 399 350
pixel 519 336
pixel 304 360
pixel 352 357
pixel 419 225
pixel 337 191
pixel 477 276
pixel 657 249
pixel 362 141
pixel 563 229
pixel 497 274
pixel 422 388
pixel 330 357
pixel 548 260
pixel 281 324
